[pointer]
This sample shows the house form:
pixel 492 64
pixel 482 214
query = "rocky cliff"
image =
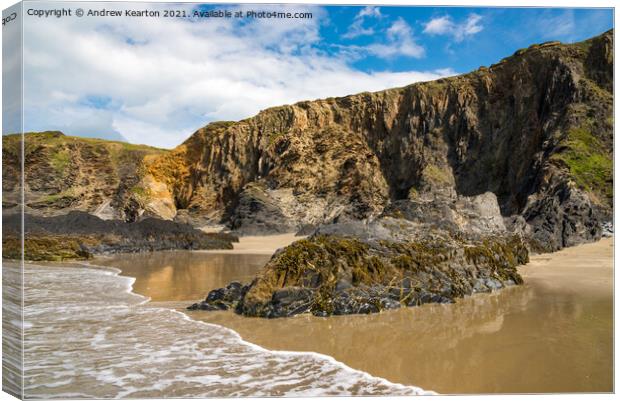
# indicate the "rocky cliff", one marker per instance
pixel 419 194
pixel 64 174
pixel 534 131
pixel 524 146
pixel 82 198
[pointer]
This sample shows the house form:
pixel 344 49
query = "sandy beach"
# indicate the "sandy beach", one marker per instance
pixel 259 245
pixel 552 334
pixel 582 269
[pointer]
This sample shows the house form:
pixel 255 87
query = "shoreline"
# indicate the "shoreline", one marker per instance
pixel 147 302
pixel 194 341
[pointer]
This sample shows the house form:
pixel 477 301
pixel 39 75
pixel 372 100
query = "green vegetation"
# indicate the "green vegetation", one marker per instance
pixel 140 192
pixel 70 193
pixel 583 46
pixel 59 200
pixel 58 138
pixel 274 136
pixel 590 166
pixel 59 148
pixel 60 160
pixel 219 125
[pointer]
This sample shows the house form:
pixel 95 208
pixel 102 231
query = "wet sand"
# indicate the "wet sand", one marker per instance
pixel 553 334
pixel 258 245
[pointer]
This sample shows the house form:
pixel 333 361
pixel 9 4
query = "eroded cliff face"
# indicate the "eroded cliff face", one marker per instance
pixel 64 174
pixel 535 130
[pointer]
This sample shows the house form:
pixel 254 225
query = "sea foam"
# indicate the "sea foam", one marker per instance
pixel 89 336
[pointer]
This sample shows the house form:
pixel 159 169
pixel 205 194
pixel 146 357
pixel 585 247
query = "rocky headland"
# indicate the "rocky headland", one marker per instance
pixel 410 195
pixel 79 195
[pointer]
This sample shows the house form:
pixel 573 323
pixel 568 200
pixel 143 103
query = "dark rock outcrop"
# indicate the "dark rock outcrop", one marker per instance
pixel 79 235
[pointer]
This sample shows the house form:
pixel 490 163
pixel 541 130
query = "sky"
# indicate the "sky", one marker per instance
pixel 156 80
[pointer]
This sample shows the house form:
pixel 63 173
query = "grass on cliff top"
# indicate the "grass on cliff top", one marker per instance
pixel 58 138
pixel 590 166
pixel 218 126
pixel 60 149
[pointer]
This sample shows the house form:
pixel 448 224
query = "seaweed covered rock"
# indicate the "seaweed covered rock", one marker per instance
pixel 337 275
pixel 222 298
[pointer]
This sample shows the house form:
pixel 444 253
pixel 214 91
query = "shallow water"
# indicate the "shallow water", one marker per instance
pixel 553 334
pixel 182 275
pixel 87 336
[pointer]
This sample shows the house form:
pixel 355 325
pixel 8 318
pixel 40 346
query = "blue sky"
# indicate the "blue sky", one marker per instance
pixel 496 33
pixel 155 81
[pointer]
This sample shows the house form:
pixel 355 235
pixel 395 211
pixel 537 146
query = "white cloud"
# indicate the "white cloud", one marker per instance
pixel 459 31
pixel 400 42
pixel 471 27
pixel 357 28
pixel 439 26
pixel 445 72
pixel 371 11
pixel 166 77
pixel 396 40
